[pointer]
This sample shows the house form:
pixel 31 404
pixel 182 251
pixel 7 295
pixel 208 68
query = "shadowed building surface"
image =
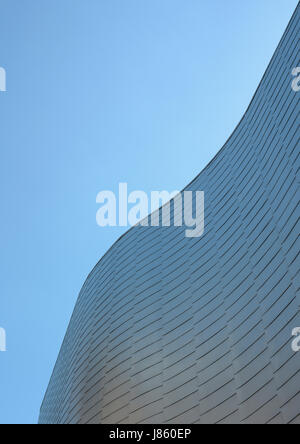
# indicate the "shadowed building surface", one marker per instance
pixel 169 329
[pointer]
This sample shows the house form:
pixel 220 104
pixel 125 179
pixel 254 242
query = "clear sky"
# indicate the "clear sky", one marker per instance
pixel 101 92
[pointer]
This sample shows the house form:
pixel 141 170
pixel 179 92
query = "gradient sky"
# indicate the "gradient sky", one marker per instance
pixel 102 92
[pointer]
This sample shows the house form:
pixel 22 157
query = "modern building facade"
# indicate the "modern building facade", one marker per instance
pixel 169 329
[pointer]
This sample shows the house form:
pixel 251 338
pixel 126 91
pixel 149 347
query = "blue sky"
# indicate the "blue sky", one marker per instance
pixel 101 92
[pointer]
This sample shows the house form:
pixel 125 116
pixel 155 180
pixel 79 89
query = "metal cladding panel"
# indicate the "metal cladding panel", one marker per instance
pixel 169 329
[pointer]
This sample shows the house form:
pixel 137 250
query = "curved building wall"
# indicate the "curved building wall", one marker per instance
pixel 169 329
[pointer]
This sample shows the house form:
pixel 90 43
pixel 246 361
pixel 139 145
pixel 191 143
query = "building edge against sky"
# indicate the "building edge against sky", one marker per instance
pixel 169 329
